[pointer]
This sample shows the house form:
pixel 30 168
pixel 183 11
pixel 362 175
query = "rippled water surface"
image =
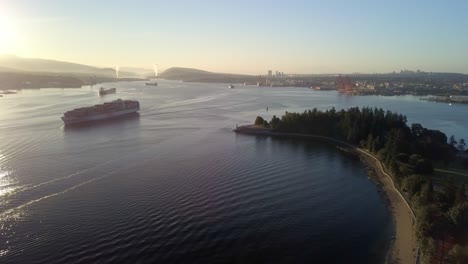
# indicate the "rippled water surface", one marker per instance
pixel 174 184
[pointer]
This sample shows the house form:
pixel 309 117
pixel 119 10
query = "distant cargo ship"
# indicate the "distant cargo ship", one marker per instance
pixel 102 111
pixel 103 91
pixel 152 83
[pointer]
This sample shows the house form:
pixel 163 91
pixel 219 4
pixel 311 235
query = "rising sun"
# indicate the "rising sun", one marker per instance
pixel 6 35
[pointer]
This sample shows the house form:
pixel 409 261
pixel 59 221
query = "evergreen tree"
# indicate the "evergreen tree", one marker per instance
pixel 452 141
pixel 259 121
pixel 376 145
pixel 417 129
pixel 427 192
pixel 274 122
pixel 460 195
pixel 449 192
pixel 370 141
pixel 458 255
pixel 424 166
pixel 461 145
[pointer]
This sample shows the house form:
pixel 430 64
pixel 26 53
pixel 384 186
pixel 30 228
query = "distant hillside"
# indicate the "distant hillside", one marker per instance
pixel 139 71
pixel 13 63
pixel 195 75
pixel 31 80
pixel 5 69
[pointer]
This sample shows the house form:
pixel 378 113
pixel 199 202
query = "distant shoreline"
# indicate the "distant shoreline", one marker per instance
pixel 20 80
pixel 403 248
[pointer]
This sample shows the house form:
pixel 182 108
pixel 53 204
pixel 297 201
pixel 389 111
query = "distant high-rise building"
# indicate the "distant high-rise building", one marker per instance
pixel 270 73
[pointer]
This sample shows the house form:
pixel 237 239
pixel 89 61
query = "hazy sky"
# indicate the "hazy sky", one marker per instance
pixel 242 36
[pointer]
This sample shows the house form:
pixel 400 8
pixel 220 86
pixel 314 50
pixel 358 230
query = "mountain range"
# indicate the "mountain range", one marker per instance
pixel 15 64
pixel 30 73
pixel 194 75
pixel 11 63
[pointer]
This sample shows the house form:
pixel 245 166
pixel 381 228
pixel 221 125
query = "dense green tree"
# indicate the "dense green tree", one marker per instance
pixel 403 157
pixel 413 184
pixel 373 128
pixel 414 158
pixel 461 145
pixel 449 193
pixel 459 216
pixel 417 129
pixel 274 122
pixel 460 193
pixel 427 192
pixel 452 141
pixel 259 121
pixel 465 163
pixel 427 249
pixel 458 255
pixel 423 166
pixel 424 225
pixel 370 141
pixel 376 145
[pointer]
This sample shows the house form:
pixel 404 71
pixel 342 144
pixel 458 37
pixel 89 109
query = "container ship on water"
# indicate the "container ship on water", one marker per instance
pixel 103 91
pixel 102 111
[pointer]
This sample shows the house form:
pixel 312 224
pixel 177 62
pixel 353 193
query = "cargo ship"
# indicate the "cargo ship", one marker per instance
pixel 152 83
pixel 103 91
pixel 109 110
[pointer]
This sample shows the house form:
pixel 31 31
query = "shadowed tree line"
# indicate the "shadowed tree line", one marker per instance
pixel 408 153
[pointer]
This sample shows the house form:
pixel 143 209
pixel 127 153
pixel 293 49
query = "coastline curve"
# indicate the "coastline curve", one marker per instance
pixel 404 248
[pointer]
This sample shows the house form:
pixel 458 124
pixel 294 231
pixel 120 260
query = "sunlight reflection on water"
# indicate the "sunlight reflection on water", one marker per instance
pixel 5 182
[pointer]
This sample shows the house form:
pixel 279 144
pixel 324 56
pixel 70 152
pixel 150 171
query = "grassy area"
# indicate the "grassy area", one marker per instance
pixel 455 171
pixel 441 175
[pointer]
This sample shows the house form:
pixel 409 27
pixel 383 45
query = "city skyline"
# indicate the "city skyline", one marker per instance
pixel 241 37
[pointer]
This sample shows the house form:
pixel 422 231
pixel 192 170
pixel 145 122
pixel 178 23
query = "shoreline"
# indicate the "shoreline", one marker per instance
pixel 403 248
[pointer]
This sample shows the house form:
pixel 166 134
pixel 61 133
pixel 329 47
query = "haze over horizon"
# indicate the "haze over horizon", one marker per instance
pixel 241 37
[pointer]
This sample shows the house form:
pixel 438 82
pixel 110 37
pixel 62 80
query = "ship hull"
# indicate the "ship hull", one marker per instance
pixel 97 117
pixel 108 91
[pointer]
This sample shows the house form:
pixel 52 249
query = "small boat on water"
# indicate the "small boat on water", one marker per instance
pixel 231 86
pixel 152 83
pixel 103 91
pixel 9 92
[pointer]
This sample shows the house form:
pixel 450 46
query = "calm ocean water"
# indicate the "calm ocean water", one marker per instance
pixel 175 185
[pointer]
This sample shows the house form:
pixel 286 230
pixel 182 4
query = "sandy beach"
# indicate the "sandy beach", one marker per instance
pixel 404 246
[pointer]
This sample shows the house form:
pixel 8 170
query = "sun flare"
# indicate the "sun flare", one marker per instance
pixel 6 35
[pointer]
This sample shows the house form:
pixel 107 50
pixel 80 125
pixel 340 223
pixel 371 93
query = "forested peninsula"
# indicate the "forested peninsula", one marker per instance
pixel 408 154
